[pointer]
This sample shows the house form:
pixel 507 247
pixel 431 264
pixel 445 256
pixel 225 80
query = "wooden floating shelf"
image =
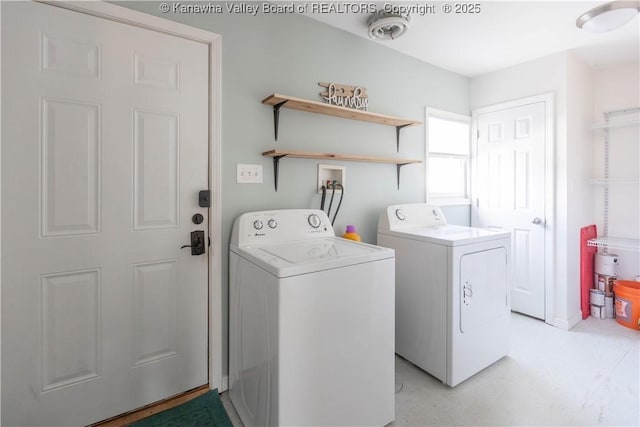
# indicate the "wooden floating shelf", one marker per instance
pixel 278 101
pixel 337 111
pixel 278 154
pixel 343 157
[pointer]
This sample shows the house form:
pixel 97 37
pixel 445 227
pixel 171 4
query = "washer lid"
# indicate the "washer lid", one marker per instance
pixel 309 256
pixel 449 235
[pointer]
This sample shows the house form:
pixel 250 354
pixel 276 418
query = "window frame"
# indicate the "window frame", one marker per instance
pixel 445 199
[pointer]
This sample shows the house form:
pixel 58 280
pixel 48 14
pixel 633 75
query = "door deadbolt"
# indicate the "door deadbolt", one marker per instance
pixel 197 218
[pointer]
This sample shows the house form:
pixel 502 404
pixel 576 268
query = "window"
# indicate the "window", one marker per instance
pixel 448 154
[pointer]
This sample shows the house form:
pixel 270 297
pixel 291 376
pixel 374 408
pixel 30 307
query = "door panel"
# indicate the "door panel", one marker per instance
pixel 154 301
pixel 70 167
pixel 483 288
pixel 510 194
pixel 70 334
pixel 155 200
pixel 105 142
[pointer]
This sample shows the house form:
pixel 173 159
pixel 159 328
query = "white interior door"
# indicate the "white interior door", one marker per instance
pixel 510 193
pixel 104 150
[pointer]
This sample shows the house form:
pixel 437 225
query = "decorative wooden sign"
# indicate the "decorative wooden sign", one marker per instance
pixel 345 96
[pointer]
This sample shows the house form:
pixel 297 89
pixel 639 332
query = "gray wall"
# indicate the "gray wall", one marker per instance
pixel 290 54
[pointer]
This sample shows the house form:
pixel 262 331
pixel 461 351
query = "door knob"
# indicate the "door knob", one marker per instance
pixel 197 243
pixel 536 221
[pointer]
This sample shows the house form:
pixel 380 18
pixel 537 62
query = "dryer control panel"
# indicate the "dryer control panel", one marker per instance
pixel 278 226
pixel 411 215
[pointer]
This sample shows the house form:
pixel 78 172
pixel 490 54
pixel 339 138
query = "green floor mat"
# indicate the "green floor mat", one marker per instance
pixel 205 410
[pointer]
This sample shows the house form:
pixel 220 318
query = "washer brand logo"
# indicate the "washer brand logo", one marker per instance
pixel 354 97
pixel 318 230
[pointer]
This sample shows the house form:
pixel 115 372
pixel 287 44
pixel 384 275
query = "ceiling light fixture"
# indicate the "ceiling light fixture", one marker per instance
pixel 608 16
pixel 387 26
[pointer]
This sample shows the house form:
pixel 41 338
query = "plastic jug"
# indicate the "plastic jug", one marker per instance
pixel 350 233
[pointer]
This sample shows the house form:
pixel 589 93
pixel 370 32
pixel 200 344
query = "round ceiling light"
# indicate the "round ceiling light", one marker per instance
pixel 387 26
pixel 608 16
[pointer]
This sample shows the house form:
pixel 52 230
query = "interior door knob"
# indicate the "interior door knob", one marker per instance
pixel 536 221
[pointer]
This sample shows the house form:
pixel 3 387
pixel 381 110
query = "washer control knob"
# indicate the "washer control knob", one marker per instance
pixel 257 224
pixel 272 223
pixel 400 215
pixel 314 220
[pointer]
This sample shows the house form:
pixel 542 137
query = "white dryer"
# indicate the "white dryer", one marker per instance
pixel 452 292
pixel 311 323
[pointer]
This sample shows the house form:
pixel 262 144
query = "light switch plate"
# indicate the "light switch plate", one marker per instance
pixel 248 174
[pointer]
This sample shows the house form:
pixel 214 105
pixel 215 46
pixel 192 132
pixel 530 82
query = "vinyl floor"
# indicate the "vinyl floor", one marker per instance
pixel 587 376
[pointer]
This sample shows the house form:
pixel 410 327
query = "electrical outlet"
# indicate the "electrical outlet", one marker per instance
pixel 248 174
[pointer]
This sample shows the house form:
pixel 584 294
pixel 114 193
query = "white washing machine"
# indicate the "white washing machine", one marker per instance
pixel 311 323
pixel 452 292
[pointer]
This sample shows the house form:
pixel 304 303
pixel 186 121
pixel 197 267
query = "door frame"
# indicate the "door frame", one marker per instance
pixel 549 187
pixel 214 43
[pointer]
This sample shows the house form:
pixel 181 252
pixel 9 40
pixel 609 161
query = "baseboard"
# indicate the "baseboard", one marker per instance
pixel 575 319
pixel 569 323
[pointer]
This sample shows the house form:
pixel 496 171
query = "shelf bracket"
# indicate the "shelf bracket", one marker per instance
pixel 398 166
pixel 398 129
pixel 276 164
pixel 276 117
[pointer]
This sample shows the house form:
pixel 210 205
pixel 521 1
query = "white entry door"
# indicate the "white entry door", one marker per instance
pixel 510 194
pixel 104 151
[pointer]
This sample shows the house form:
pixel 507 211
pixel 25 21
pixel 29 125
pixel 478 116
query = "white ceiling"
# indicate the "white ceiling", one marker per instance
pixel 504 33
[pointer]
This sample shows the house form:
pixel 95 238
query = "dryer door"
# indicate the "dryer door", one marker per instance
pixel 483 288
